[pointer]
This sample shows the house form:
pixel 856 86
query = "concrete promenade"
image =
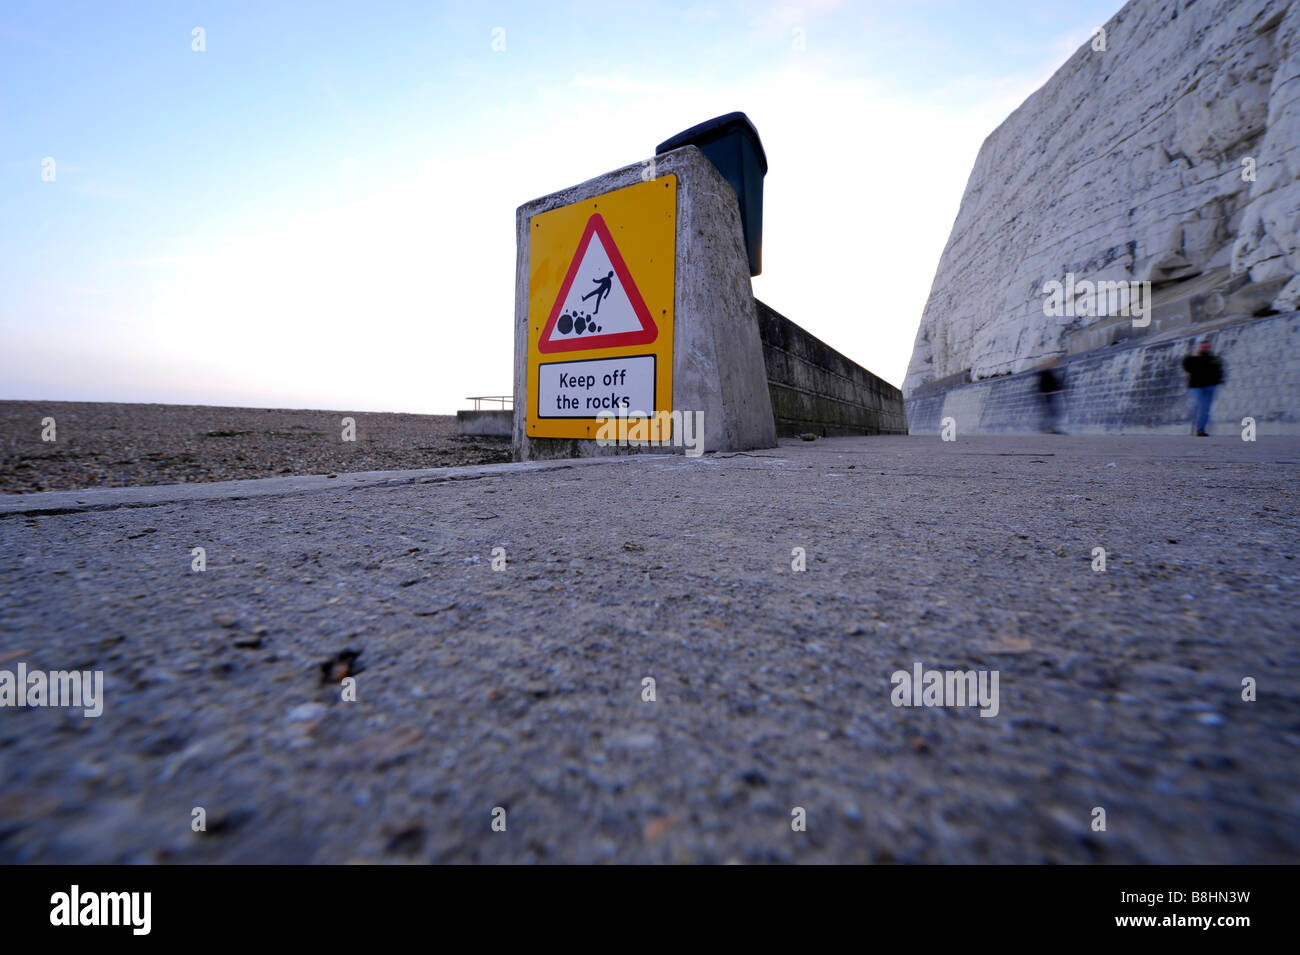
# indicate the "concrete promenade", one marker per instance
pixel 522 688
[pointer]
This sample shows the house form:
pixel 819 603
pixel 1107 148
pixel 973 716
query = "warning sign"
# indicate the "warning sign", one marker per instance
pixel 596 386
pixel 600 311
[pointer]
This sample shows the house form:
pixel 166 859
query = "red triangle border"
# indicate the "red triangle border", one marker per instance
pixel 649 330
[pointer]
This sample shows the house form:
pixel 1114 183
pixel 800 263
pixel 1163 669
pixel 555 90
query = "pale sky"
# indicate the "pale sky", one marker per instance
pixel 317 210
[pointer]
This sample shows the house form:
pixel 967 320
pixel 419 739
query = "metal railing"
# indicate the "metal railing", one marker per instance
pixel 503 399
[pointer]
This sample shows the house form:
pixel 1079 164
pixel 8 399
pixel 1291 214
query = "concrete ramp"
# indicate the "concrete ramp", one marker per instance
pixel 501 622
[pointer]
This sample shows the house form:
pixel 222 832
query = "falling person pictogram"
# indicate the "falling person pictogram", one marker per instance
pixel 600 291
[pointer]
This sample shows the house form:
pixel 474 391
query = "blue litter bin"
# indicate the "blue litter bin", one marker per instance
pixel 731 143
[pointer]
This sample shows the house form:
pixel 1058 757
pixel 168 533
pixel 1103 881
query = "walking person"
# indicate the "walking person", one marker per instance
pixel 1204 375
pixel 1051 391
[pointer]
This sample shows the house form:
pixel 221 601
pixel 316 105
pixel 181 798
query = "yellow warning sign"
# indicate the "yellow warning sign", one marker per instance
pixel 600 313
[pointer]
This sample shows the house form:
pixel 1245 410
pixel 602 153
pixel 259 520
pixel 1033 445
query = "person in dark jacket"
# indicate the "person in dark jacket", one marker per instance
pixel 1051 389
pixel 1204 375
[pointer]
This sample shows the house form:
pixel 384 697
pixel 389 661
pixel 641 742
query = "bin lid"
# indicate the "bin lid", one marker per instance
pixel 714 129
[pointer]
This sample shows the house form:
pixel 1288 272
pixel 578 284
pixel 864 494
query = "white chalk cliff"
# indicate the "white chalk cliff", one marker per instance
pixel 1172 155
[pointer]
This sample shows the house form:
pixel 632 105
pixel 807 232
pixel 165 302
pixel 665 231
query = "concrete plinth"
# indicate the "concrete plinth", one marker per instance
pixel 718 365
pixel 485 423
